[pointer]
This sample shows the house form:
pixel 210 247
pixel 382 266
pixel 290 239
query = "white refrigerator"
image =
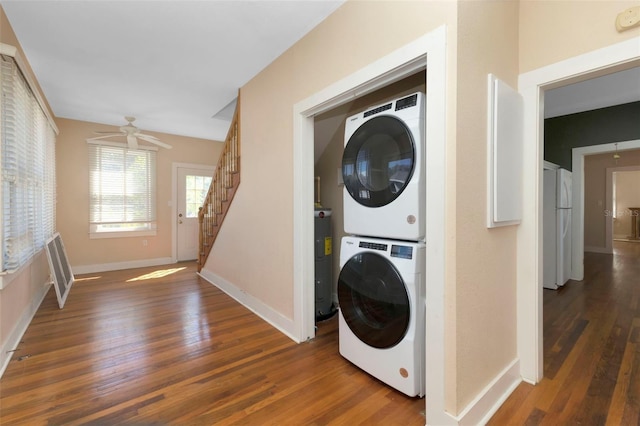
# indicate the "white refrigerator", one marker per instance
pixel 556 227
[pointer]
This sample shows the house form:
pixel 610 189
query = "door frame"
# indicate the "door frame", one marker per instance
pixel 430 52
pixel 577 161
pixel 174 201
pixel 531 86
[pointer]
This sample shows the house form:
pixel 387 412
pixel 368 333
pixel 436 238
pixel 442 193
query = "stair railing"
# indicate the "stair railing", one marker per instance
pixel 224 184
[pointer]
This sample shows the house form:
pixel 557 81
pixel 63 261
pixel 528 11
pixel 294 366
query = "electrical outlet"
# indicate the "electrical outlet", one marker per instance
pixel 628 19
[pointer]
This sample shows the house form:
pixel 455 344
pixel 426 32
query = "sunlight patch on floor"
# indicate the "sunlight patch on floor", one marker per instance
pixel 77 280
pixel 156 274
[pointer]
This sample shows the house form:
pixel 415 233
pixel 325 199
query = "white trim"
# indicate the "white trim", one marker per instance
pixel 485 405
pixel 577 177
pixel 529 257
pixel 8 50
pixel 430 51
pixel 174 200
pixel 20 328
pixel 255 305
pixel 117 266
pixel 124 234
pixel 609 235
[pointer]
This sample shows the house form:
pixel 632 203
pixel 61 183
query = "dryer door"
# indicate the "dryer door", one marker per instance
pixel 378 161
pixel 374 300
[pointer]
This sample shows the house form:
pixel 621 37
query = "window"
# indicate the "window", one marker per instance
pixel 122 190
pixel 196 190
pixel 27 151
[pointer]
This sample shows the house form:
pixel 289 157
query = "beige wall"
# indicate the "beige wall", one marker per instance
pixel 480 290
pixel 262 210
pixel 254 250
pixel 553 30
pixel 480 321
pixel 485 282
pixel 72 212
pixel 595 192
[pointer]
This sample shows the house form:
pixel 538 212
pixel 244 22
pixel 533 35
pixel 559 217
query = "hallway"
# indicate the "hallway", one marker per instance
pixel 591 349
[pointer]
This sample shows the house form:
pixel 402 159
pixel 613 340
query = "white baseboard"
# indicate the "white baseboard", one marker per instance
pixel 594 249
pixel 485 405
pixel 20 328
pixel 267 313
pixel 103 267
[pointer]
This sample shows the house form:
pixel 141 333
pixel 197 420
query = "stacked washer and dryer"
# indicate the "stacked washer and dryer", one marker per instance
pixel 381 287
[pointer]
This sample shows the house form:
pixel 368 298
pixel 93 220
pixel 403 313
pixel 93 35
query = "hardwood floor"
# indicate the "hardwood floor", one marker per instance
pixel 162 346
pixel 591 349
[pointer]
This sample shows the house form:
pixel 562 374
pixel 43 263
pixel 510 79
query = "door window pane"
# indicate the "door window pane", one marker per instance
pixel 196 190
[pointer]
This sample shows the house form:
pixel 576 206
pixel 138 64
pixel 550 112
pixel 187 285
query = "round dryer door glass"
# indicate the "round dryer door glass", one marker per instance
pixel 373 300
pixel 378 161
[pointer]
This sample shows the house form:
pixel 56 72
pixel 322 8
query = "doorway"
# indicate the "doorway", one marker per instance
pixel 428 51
pixel 532 86
pixel 578 158
pixel 625 193
pixel 191 183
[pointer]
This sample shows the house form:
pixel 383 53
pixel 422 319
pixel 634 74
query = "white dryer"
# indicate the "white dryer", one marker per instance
pixel 381 292
pixel 383 170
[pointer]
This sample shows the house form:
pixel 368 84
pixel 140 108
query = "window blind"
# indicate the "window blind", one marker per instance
pixel 122 189
pixel 28 169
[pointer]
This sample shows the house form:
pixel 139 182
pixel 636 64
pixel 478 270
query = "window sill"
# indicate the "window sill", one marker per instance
pixel 121 234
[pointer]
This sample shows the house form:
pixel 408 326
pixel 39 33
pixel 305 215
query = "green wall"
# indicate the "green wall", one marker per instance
pixel 601 126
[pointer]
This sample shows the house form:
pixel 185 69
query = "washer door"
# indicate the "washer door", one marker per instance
pixel 373 300
pixel 378 161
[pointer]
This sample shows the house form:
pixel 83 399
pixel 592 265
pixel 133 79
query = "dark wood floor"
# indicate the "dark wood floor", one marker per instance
pixel 162 346
pixel 591 349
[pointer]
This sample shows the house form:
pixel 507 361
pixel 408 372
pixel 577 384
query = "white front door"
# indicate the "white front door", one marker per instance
pixel 192 185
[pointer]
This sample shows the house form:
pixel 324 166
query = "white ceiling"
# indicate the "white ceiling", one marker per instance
pixel 174 65
pixel 608 90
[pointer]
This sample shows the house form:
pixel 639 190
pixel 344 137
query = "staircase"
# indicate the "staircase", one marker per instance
pixel 224 184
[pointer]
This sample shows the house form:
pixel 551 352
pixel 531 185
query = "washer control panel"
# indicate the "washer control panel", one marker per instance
pixel 403 252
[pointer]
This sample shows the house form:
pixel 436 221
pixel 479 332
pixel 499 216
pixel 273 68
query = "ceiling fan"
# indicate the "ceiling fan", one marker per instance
pixel 132 134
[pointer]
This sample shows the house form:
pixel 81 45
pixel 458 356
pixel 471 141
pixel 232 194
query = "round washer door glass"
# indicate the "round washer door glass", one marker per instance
pixel 378 161
pixel 373 300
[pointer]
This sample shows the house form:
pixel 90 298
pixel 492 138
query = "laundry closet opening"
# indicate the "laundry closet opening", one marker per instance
pixel 329 134
pixel 369 171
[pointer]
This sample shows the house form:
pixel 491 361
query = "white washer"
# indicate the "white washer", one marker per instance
pixel 383 170
pixel 381 291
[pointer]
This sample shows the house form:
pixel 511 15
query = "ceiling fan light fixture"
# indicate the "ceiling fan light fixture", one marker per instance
pixel 132 134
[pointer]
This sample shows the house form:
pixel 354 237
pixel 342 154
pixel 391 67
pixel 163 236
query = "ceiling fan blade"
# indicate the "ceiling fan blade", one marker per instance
pixel 103 132
pixel 132 141
pixel 154 140
pixel 104 137
pixel 147 136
